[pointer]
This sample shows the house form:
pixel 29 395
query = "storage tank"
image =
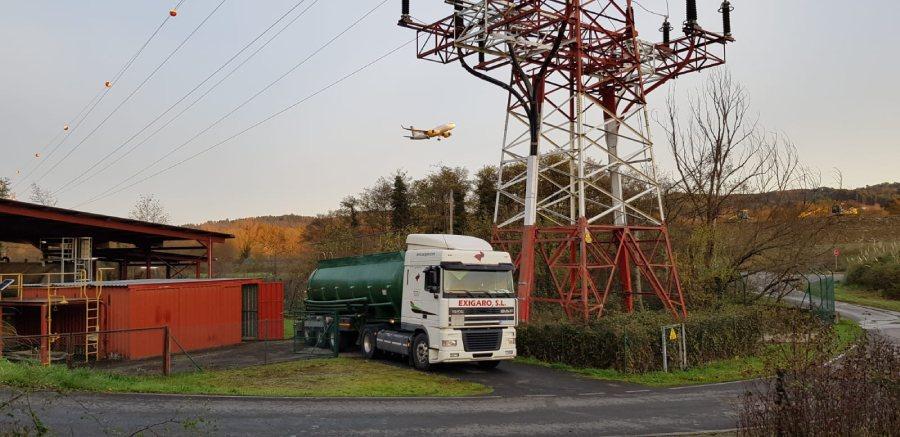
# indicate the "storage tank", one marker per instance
pixel 373 282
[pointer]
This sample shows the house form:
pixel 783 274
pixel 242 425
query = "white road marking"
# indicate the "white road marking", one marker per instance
pixel 637 391
pixel 714 384
pixel 592 394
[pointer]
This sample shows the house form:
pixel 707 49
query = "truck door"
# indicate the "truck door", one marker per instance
pixel 423 305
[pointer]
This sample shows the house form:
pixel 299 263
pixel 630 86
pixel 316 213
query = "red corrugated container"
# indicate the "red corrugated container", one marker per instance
pixel 201 314
pixel 271 311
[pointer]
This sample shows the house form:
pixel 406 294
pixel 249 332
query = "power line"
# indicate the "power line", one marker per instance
pixel 133 92
pixel 651 11
pixel 251 98
pixel 99 96
pixel 251 127
pixel 107 164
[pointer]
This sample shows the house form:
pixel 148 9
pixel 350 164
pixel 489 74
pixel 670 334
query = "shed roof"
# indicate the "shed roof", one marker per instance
pixel 138 282
pixel 24 222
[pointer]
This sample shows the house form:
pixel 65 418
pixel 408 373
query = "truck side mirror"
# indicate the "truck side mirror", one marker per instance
pixel 432 279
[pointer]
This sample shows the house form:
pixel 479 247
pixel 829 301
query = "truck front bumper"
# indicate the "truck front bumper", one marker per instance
pixel 457 353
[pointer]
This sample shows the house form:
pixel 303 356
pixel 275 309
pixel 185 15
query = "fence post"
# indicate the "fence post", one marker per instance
pixel 69 349
pixel 45 336
pixel 665 351
pixel 167 356
pixel 265 342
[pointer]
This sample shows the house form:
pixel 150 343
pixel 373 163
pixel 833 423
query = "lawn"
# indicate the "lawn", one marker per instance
pixel 320 377
pixel 734 369
pixel 288 328
pixel 860 296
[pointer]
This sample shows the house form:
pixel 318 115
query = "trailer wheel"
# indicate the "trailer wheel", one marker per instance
pixel 369 345
pixel 310 337
pixel 419 352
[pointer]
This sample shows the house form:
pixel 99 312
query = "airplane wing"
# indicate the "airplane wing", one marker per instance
pixel 413 130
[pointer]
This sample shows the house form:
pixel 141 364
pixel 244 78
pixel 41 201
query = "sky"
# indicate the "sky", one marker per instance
pixel 820 72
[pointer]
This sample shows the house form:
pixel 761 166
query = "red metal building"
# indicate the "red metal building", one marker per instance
pixel 63 301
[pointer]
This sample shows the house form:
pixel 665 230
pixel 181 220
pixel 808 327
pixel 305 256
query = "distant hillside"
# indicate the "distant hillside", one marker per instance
pixel 287 220
pixel 884 194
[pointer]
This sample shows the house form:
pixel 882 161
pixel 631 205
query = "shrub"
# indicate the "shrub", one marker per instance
pixel 881 273
pixel 857 395
pixel 631 342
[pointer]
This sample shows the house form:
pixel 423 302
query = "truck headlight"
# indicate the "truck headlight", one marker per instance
pixel 448 343
pixel 511 341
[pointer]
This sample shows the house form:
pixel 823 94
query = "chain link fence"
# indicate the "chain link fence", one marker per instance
pixel 820 294
pixel 161 350
pixel 317 334
pixel 102 349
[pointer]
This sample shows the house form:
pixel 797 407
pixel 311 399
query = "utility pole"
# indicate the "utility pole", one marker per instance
pixel 452 204
pixel 578 189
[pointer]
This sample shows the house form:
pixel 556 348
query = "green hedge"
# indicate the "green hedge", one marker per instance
pixel 631 343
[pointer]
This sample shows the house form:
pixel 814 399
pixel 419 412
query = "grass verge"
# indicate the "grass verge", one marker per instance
pixel 320 377
pixel 735 369
pixel 860 296
pixel 288 328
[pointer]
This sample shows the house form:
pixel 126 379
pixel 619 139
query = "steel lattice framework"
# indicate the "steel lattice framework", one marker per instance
pixel 579 200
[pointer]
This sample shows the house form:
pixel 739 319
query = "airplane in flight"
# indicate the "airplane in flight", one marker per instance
pixel 440 132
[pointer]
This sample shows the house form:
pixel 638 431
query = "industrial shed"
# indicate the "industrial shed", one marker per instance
pixel 100 274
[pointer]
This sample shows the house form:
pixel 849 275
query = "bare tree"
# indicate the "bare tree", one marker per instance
pixel 149 209
pixel 41 196
pixel 739 189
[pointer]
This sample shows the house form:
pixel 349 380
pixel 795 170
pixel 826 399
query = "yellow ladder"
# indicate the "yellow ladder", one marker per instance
pixel 92 317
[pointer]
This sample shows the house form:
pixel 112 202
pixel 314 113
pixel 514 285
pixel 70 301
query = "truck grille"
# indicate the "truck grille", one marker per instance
pixel 475 311
pixel 485 316
pixel 481 340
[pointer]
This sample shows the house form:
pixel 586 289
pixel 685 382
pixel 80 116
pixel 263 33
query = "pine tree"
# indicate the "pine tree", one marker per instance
pixel 485 192
pixel 401 214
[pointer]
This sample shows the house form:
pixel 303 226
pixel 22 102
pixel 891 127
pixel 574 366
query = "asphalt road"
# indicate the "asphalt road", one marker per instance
pixel 884 323
pixel 530 400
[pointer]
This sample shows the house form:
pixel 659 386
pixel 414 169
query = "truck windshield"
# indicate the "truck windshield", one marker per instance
pixel 470 283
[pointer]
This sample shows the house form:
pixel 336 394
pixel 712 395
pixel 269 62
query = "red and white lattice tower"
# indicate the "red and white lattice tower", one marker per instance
pixel 579 202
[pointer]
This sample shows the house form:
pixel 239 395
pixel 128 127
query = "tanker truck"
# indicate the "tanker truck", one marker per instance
pixel 445 299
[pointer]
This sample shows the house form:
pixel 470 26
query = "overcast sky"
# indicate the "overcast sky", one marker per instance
pixel 822 72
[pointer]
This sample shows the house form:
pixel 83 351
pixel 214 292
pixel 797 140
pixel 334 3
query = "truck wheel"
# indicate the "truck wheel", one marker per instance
pixel 369 345
pixel 419 352
pixel 488 364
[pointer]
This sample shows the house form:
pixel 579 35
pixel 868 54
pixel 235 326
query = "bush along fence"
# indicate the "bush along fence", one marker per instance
pixel 631 343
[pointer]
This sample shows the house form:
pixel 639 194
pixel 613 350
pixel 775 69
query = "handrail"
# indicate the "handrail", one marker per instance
pixel 17 284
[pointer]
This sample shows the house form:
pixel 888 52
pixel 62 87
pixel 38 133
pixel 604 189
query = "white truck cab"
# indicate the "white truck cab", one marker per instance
pixel 460 293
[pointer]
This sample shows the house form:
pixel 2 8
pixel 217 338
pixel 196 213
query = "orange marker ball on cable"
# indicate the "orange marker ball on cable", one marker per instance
pixel 173 12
